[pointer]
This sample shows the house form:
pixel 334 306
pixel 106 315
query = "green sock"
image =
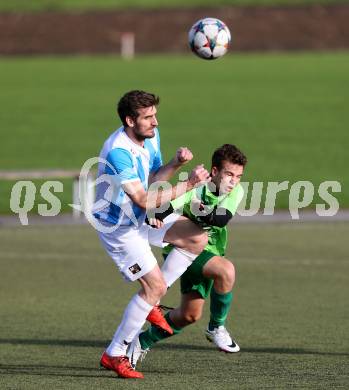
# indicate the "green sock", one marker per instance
pixel 219 308
pixel 154 334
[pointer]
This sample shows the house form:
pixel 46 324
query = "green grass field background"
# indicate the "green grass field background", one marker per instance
pixel 62 298
pixel 287 112
pixel 83 5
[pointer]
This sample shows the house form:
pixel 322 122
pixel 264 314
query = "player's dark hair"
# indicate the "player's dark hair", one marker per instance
pixel 230 153
pixel 132 101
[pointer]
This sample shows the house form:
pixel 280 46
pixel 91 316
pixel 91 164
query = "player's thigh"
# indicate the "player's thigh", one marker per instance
pixel 156 235
pixel 219 266
pixel 130 250
pixel 184 231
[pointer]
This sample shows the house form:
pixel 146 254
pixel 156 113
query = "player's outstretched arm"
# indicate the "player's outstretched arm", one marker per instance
pixel 155 198
pixel 182 157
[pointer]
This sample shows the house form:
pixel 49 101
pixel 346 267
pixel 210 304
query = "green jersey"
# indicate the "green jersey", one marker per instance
pixel 198 202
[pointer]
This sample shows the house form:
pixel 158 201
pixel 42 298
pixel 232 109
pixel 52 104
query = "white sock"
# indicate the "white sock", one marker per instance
pixel 134 318
pixel 176 263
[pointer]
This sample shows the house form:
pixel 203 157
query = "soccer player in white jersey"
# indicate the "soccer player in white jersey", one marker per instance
pixel 129 161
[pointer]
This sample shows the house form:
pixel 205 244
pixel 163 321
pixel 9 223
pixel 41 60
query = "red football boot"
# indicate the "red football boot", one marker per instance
pixel 155 317
pixel 121 365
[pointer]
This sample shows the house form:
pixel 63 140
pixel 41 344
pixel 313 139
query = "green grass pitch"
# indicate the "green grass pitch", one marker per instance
pixel 61 299
pixel 84 5
pixel 288 112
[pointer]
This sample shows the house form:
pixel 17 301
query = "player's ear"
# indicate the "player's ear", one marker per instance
pixel 214 171
pixel 130 122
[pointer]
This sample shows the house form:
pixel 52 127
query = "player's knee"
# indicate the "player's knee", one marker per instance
pixel 191 317
pixel 230 272
pixel 158 289
pixel 227 274
pixel 162 289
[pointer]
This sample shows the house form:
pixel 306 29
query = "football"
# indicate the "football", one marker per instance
pixel 209 38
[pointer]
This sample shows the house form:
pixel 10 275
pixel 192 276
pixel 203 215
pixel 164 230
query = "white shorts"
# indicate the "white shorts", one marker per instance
pixel 129 247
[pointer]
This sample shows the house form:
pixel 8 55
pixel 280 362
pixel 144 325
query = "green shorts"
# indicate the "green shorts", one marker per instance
pixel 193 280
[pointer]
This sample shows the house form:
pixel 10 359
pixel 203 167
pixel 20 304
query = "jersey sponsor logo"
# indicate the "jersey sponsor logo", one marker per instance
pixel 135 268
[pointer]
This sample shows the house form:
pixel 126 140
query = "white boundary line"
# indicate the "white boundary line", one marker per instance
pixel 278 217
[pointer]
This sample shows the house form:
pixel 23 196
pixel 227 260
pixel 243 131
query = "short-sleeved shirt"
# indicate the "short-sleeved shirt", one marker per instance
pixel 190 204
pixel 123 161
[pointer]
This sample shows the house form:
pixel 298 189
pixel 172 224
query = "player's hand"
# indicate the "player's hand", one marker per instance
pixel 183 156
pixel 199 175
pixel 156 223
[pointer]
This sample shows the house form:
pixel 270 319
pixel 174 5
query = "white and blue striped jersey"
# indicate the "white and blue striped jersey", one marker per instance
pixel 122 161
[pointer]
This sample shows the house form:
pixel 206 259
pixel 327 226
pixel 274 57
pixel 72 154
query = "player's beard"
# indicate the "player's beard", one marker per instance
pixel 141 136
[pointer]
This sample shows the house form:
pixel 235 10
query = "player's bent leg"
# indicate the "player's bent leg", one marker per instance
pixel 186 235
pixel 189 311
pixel 223 273
pixel 189 241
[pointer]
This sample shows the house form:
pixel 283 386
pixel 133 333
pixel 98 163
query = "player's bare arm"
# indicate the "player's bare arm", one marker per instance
pixel 182 157
pixel 153 199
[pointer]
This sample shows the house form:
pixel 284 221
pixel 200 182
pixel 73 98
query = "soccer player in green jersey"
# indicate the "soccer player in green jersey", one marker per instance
pixel 210 273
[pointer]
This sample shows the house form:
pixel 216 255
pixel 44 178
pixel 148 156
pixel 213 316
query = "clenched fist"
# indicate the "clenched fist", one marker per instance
pixel 183 155
pixel 199 175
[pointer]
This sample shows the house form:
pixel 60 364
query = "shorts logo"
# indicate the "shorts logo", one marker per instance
pixel 135 268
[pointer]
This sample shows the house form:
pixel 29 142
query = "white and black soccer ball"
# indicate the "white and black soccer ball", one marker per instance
pixel 209 38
